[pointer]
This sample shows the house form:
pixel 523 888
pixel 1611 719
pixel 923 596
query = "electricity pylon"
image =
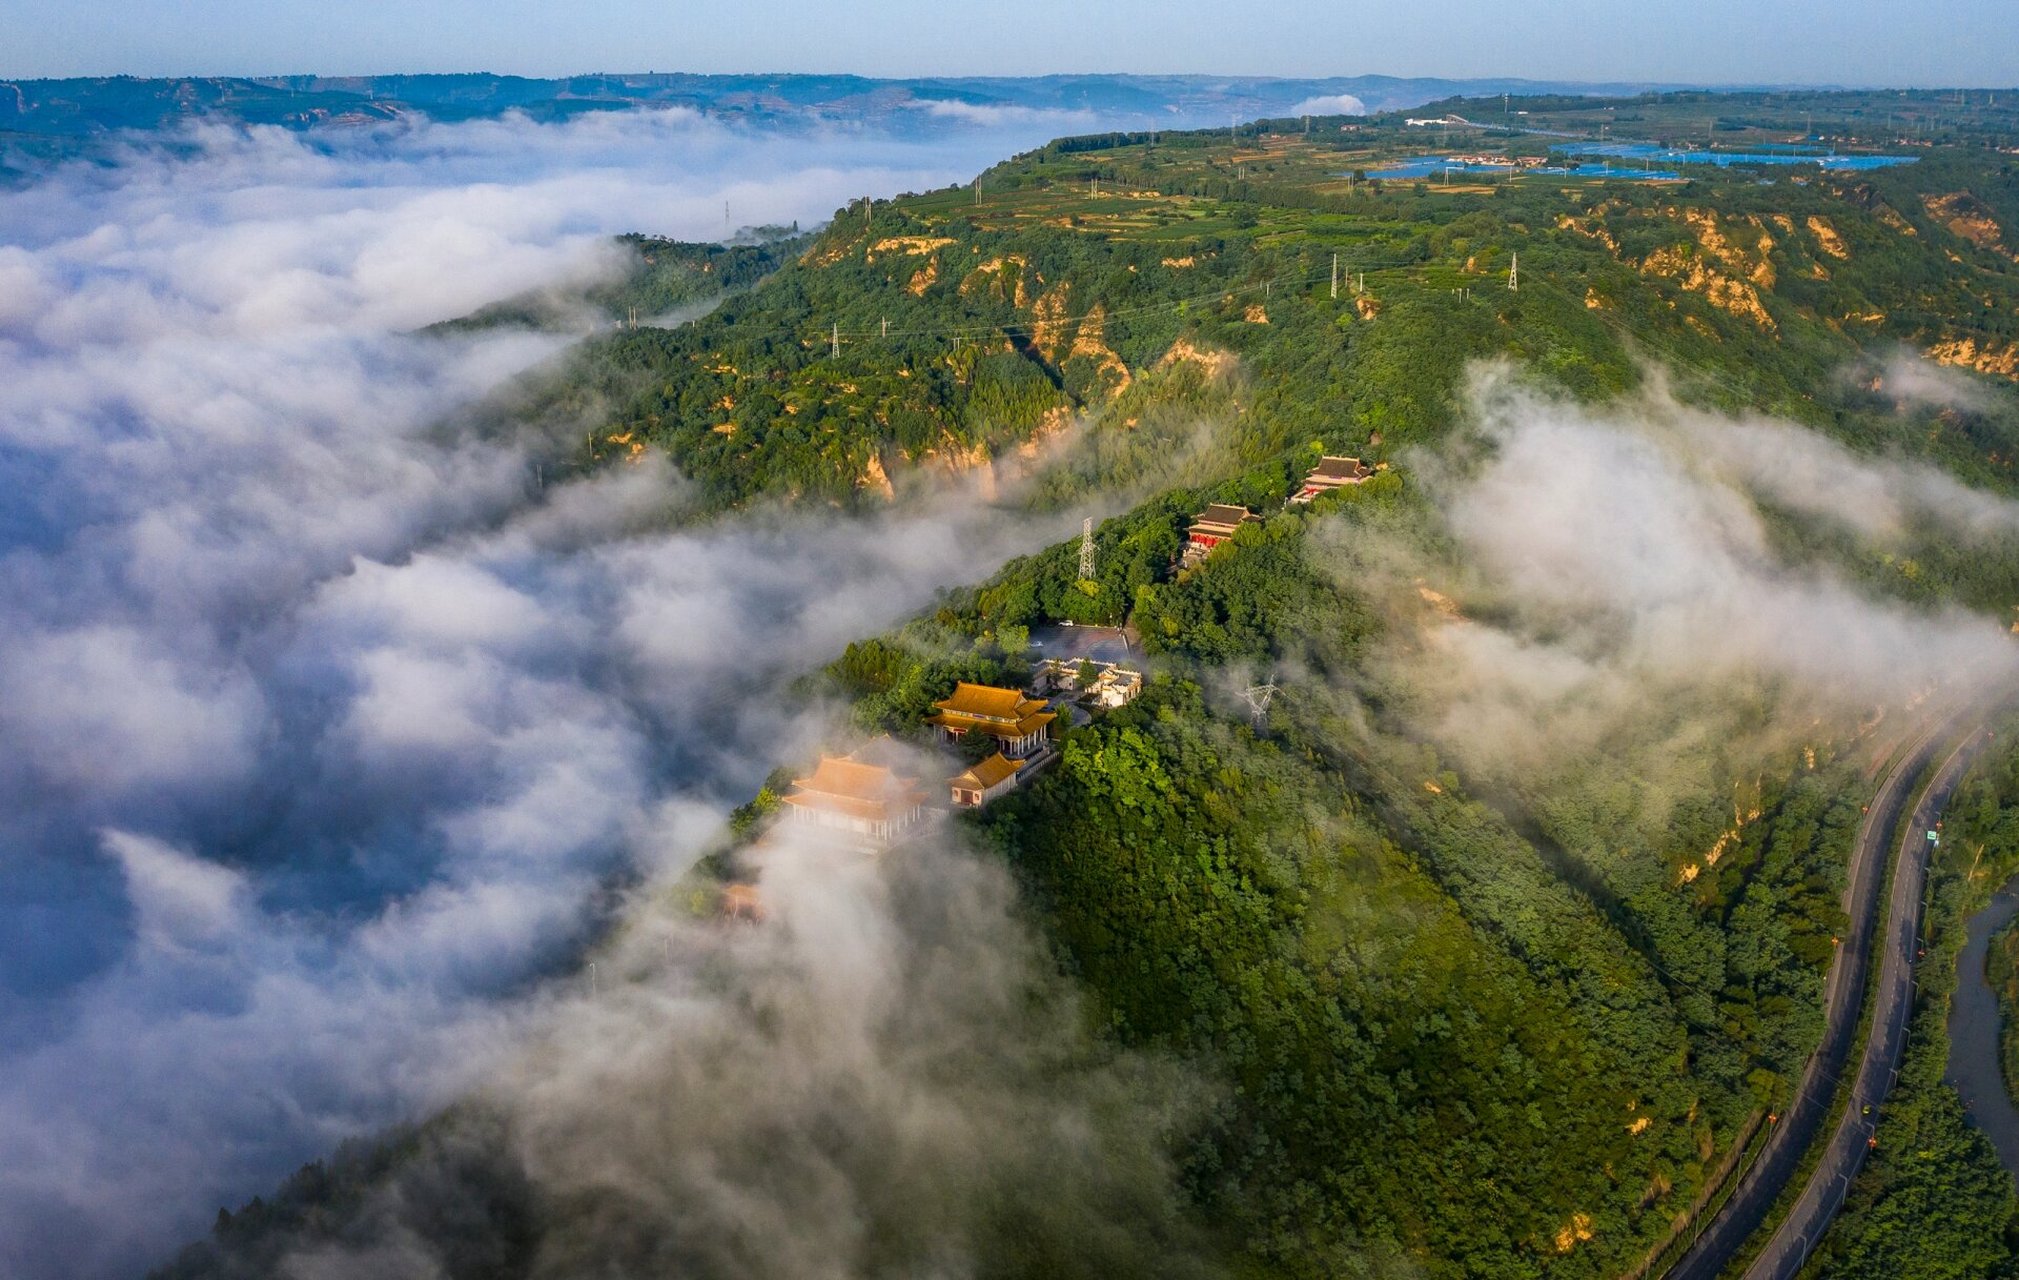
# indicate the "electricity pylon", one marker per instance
pixel 1259 697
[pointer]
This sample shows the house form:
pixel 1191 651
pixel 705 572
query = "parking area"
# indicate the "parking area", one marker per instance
pixel 1102 644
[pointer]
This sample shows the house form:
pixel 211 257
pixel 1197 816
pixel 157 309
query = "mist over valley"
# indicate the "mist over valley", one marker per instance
pixel 822 676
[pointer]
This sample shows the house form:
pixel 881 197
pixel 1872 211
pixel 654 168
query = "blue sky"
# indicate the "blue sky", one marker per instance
pixel 1948 42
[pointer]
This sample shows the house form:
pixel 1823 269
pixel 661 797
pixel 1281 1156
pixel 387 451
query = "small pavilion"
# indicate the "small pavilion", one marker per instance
pixel 987 780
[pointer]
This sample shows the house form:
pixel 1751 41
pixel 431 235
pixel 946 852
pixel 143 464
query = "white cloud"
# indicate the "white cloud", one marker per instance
pixel 1614 560
pixel 1578 519
pixel 438 598
pixel 105 708
pixel 995 116
pixel 856 1088
pixel 1338 104
pixel 181 900
pixel 368 718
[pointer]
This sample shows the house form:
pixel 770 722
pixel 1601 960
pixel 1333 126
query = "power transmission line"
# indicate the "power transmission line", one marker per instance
pixel 1258 697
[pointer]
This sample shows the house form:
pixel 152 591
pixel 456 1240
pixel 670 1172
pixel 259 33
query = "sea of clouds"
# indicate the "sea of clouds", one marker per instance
pixel 324 728
pixel 330 735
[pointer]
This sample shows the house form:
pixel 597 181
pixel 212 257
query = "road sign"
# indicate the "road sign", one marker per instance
pixel 1934 838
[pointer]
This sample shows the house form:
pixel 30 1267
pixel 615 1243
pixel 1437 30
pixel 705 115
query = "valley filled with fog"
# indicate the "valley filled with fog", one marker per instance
pixel 327 724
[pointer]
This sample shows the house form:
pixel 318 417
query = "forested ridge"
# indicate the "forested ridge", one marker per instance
pixel 963 328
pixel 1466 1019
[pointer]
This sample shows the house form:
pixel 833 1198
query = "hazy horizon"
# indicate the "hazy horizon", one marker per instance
pixel 898 77
pixel 1866 43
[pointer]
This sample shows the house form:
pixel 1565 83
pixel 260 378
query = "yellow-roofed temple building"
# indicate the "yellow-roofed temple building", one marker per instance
pixel 866 801
pixel 1020 725
pixel 987 780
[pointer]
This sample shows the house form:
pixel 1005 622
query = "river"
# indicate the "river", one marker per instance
pixel 1973 1032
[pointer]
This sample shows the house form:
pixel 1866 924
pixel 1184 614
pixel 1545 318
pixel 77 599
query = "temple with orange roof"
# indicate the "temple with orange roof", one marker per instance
pixel 985 781
pixel 1020 725
pixel 865 800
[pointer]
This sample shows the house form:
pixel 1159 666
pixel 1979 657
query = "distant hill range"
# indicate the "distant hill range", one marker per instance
pixel 51 110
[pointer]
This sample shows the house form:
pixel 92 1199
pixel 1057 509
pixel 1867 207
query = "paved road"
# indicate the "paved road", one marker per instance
pixel 1802 1121
pixel 1973 1033
pixel 1798 1233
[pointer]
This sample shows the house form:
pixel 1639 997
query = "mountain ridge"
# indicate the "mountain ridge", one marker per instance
pixel 1471 1014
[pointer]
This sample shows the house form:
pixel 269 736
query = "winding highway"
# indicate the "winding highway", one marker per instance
pixel 1799 1232
pixel 1805 1119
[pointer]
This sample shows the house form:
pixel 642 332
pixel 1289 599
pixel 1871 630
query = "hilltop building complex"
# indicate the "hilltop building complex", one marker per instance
pixel 1111 685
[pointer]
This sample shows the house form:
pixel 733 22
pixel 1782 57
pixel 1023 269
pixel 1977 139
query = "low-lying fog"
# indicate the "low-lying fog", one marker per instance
pixel 320 732
pixel 325 732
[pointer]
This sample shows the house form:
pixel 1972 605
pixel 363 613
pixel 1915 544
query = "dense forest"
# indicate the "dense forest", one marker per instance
pixel 1466 1015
